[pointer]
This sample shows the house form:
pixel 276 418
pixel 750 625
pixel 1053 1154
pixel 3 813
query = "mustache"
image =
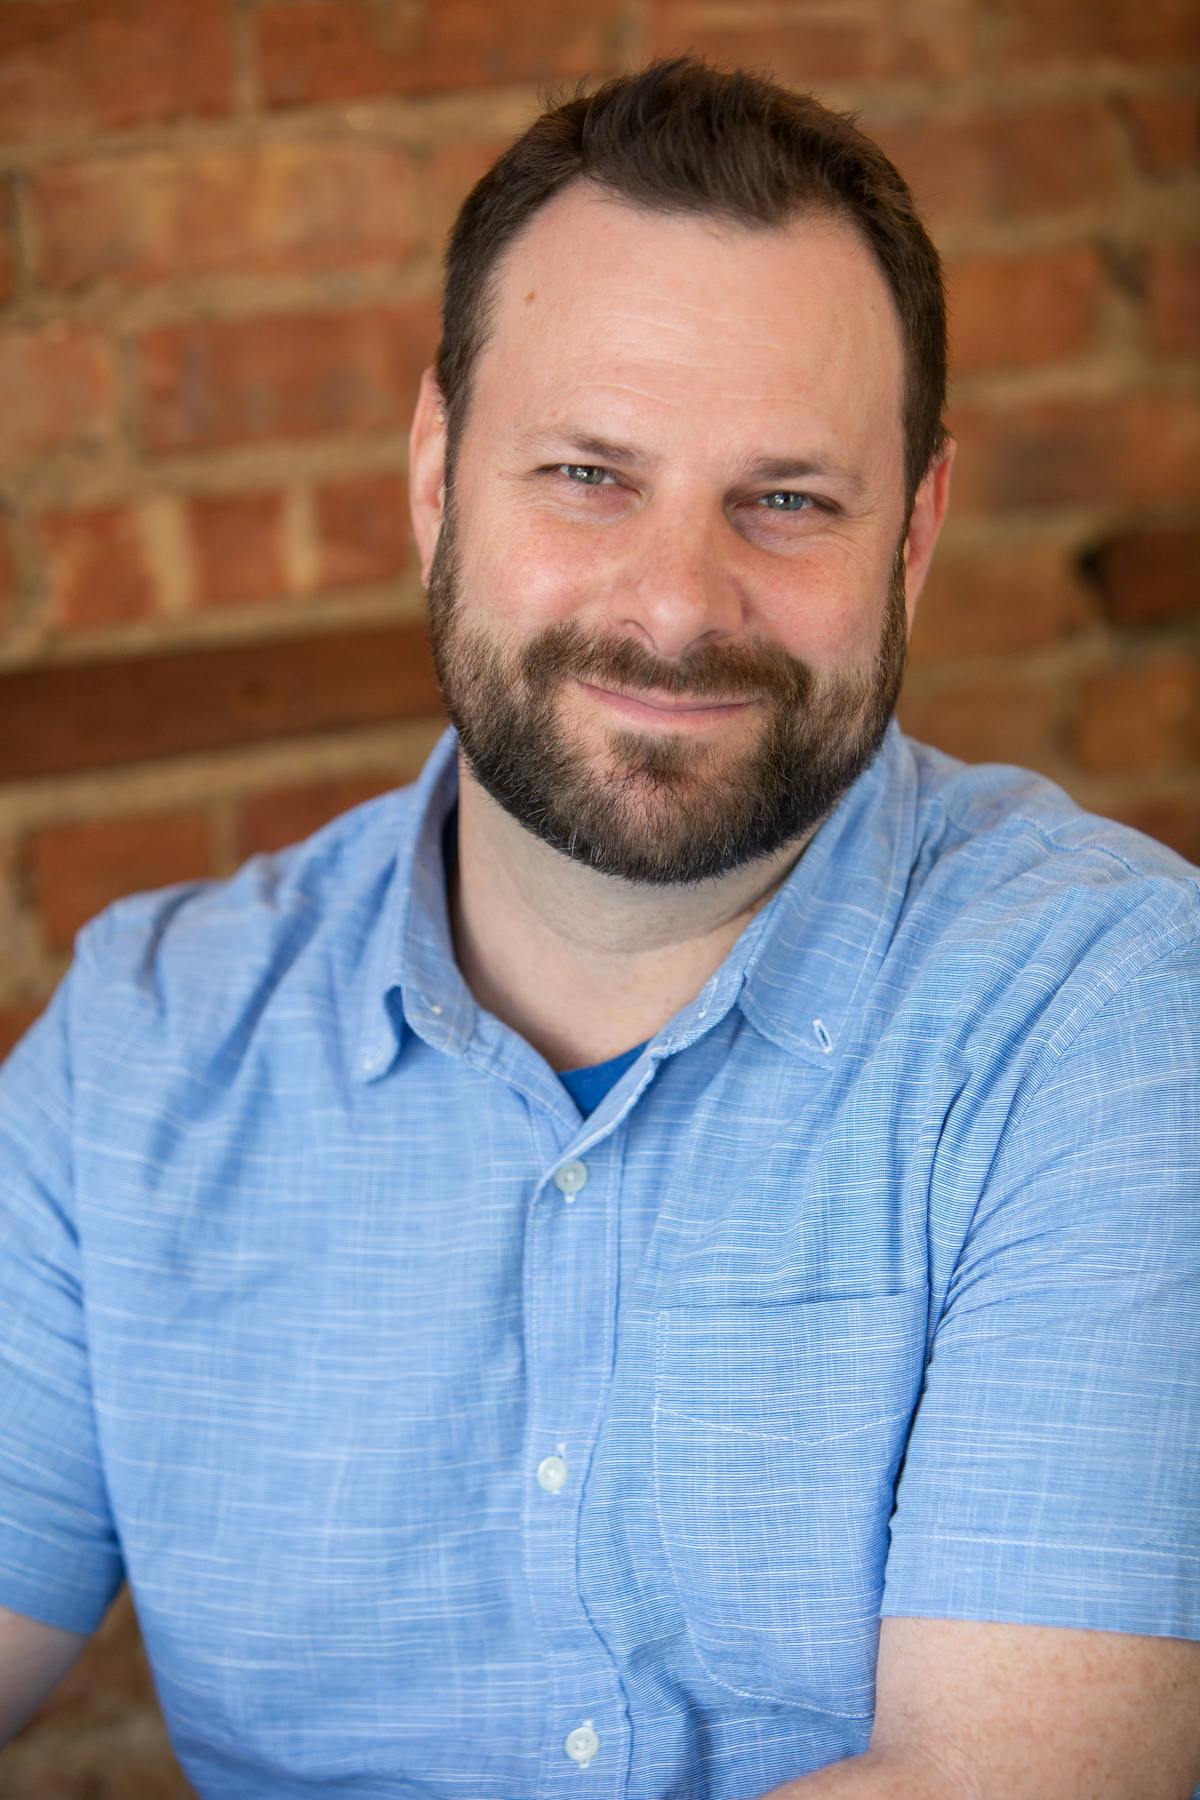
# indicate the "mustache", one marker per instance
pixel 751 670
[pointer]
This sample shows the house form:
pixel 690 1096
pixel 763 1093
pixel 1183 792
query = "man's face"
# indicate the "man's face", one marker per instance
pixel 667 600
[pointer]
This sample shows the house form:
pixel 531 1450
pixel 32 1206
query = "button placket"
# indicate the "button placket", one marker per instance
pixel 582 1744
pixel 552 1471
pixel 570 1178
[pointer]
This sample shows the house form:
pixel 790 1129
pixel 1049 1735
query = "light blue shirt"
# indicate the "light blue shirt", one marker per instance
pixel 456 1445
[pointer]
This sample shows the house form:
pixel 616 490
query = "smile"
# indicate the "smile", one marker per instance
pixel 661 710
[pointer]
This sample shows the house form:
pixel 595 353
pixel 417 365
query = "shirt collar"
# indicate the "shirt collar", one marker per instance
pixel 832 920
pixel 412 980
pixel 796 970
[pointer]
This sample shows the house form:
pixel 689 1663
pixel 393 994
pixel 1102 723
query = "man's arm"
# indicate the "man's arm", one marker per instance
pixel 33 1660
pixel 967 1710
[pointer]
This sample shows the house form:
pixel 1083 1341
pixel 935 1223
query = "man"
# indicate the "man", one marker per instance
pixel 663 1259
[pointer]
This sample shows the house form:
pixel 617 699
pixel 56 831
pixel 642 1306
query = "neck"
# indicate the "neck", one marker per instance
pixel 581 964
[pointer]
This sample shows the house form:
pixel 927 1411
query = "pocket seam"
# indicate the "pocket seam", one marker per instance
pixel 743 1693
pixel 780 1437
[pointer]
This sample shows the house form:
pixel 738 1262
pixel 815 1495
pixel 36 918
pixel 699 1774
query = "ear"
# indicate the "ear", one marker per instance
pixel 925 525
pixel 427 469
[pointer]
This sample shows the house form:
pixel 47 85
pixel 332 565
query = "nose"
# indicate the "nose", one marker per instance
pixel 678 588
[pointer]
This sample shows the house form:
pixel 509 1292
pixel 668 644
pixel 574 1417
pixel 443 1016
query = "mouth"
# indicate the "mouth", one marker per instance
pixel 663 710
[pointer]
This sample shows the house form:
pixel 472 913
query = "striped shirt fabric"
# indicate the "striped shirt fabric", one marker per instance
pixel 455 1444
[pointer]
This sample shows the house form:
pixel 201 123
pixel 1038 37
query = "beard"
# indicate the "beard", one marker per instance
pixel 651 808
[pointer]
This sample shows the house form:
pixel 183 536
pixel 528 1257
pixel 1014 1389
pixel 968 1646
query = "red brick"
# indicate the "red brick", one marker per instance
pixel 1031 33
pixel 1016 721
pixel 277 207
pixel 286 815
pixel 78 869
pixel 60 391
pixel 1174 819
pixel 362 529
pixel 448 177
pixel 1132 448
pixel 1147 576
pixel 8 254
pixel 99 570
pixel 982 166
pixel 8 573
pixel 72 67
pixel 1010 601
pixel 815 42
pixel 1164 130
pixel 15 1021
pixel 1006 312
pixel 243 381
pixel 315 51
pixel 1141 717
pixel 237 545
pixel 1173 299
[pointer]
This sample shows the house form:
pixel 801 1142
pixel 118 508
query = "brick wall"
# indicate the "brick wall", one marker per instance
pixel 220 223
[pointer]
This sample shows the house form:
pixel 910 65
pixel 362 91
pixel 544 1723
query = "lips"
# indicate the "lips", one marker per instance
pixel 651 707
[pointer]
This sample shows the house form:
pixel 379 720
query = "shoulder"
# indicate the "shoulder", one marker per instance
pixel 210 947
pixel 1005 859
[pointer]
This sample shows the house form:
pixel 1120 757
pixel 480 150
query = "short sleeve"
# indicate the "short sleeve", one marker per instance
pixel 1052 1474
pixel 60 1561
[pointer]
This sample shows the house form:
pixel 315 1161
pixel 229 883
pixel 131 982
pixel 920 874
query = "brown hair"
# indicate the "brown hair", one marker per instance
pixel 682 137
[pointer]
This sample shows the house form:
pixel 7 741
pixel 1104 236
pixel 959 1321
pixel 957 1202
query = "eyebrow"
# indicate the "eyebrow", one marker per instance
pixel 761 468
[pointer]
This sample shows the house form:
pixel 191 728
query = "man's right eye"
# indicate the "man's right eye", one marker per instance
pixel 584 474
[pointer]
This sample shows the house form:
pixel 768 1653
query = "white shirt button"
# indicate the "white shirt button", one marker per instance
pixel 570 1178
pixel 582 1744
pixel 551 1473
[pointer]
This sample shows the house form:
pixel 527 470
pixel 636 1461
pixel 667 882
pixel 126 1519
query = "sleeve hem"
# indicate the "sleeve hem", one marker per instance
pixel 1153 1593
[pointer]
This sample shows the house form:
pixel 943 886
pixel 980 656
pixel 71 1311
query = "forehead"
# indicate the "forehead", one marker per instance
pixel 692 323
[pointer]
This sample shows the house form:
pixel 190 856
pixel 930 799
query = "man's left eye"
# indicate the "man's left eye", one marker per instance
pixel 783 500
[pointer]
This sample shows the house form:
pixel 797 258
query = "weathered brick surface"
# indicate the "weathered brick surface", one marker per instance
pixel 1014 311
pixel 999 604
pixel 812 42
pixel 1141 717
pixel 98 565
pixel 1004 720
pixel 77 869
pixel 68 67
pixel 237 547
pixel 1128 449
pixel 271 208
pixel 1027 34
pixel 1172 818
pixel 8 573
pixel 281 816
pixel 59 389
pixel 970 165
pixel 1173 300
pixel 8 254
pixel 315 51
pixel 1147 576
pixel 362 529
pixel 1164 130
pixel 244 381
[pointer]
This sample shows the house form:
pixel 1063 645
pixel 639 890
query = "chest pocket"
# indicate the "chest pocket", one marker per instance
pixel 778 1436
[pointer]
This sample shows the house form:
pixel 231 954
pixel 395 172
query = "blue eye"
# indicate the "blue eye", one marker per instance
pixel 584 474
pixel 783 500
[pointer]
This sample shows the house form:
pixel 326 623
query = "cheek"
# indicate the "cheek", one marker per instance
pixel 828 611
pixel 528 577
